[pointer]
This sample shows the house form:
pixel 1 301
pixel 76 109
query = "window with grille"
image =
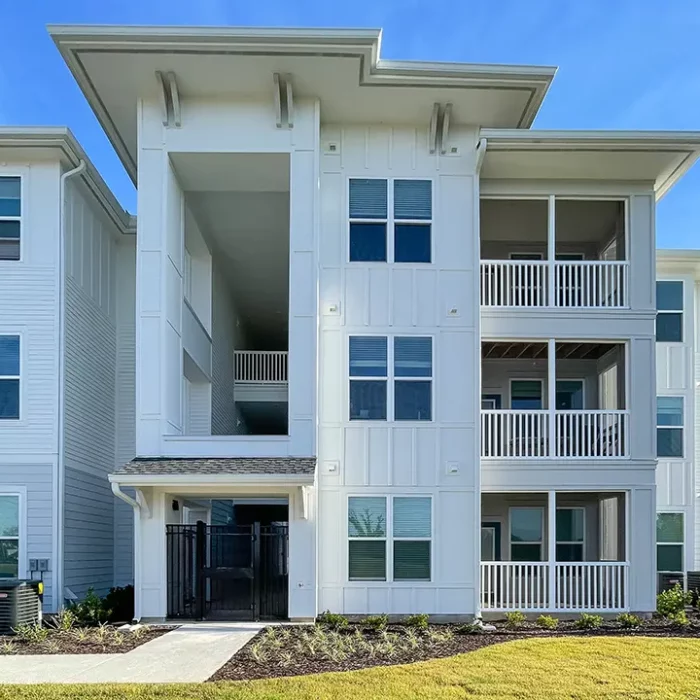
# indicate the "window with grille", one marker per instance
pixel 526 534
pixel 9 377
pixel 669 543
pixel 570 533
pixel 9 536
pixel 10 217
pixel 669 426
pixel 669 312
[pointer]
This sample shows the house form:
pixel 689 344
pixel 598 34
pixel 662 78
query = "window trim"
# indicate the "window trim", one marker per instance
pixel 18 377
pixel 571 542
pixel 389 541
pixel 21 493
pixel 541 542
pixel 20 218
pixel 390 380
pixel 680 544
pixel 680 311
pixel 390 221
pixel 680 427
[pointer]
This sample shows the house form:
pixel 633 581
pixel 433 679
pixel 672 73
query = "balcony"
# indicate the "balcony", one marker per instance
pixel 261 366
pixel 553 400
pixel 553 253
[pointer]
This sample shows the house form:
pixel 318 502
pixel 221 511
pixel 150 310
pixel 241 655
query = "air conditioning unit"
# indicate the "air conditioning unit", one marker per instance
pixel 667 581
pixel 20 604
pixel 693 578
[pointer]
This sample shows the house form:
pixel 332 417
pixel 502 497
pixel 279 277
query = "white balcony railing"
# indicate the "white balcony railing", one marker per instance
pixel 596 284
pixel 536 434
pixel 554 587
pixel 260 366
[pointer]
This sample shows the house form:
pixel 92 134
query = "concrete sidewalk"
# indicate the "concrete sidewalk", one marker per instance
pixel 189 654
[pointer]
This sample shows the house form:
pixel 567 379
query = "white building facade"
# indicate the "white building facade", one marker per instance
pixel 393 351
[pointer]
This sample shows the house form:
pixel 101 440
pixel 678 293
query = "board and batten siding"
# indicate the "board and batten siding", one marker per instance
pixel 437 458
pixel 29 308
pixel 89 395
pixel 676 376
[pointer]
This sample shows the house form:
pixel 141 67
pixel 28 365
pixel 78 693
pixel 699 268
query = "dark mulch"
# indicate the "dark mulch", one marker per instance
pixel 82 641
pixel 258 660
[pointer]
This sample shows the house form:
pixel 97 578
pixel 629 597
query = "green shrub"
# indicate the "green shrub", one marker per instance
pixel 547 622
pixel 63 621
pixel 34 633
pixel 515 619
pixel 91 610
pixel 679 619
pixel 333 620
pixel 120 602
pixel 417 622
pixel 673 600
pixel 376 622
pixel 629 621
pixel 470 628
pixel 587 621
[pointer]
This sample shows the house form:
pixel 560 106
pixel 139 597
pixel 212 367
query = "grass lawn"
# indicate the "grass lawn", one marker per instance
pixel 580 668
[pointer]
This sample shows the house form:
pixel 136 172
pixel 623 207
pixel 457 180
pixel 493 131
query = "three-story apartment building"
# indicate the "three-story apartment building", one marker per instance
pixel 394 351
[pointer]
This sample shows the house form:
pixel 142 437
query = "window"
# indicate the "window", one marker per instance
pixel 569 394
pixel 669 542
pixel 526 534
pixel 9 536
pixel 9 377
pixel 10 217
pixel 411 375
pixel 669 426
pixel 370 221
pixel 410 537
pixel 526 394
pixel 570 532
pixel 413 371
pixel 669 314
pixel 368 372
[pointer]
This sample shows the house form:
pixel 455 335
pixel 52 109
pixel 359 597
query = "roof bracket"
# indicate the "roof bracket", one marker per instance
pixel 434 119
pixel 169 99
pixel 305 493
pixel 284 100
pixel 445 131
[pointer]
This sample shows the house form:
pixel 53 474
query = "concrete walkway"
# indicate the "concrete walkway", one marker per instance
pixel 189 654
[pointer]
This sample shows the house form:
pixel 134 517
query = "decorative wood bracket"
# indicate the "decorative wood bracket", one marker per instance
pixel 305 493
pixel 440 127
pixel 283 96
pixel 169 99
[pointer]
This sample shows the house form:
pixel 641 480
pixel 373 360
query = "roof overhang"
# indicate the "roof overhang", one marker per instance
pixel 676 261
pixel 202 480
pixel 49 142
pixel 657 157
pixel 115 65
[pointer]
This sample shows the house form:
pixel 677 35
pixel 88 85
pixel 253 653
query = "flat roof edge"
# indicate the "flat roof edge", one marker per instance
pixel 504 137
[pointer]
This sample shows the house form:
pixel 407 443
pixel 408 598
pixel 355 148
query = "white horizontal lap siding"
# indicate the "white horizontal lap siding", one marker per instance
pixel 89 396
pixel 438 458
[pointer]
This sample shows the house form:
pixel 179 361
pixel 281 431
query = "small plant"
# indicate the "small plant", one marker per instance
pixel 119 603
pixel 91 610
pixel 587 621
pixel 470 628
pixel 258 653
pixel 411 638
pixel 34 634
pixel 63 621
pixel 673 600
pixel 333 620
pixel 515 619
pixel 51 647
pixel 286 659
pixel 81 634
pixel 629 621
pixel 679 619
pixel 376 622
pixel 440 636
pixel 417 622
pixel 8 647
pixel 547 622
pixel 139 631
pixel 102 633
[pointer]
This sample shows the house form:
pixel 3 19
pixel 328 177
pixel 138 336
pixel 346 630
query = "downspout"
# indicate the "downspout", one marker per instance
pixel 59 477
pixel 480 153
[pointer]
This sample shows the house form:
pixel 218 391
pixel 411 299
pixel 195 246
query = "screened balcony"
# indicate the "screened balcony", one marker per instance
pixel 553 400
pixel 553 252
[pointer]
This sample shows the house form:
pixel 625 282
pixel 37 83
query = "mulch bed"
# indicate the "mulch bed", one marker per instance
pixel 258 659
pixel 82 641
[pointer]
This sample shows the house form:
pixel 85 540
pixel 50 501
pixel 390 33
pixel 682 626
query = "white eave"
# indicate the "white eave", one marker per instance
pixel 114 65
pixel 61 139
pixel 681 260
pixel 658 157
pixel 202 480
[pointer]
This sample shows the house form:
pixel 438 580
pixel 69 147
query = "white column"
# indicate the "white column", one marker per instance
pixel 551 250
pixel 552 545
pixel 552 395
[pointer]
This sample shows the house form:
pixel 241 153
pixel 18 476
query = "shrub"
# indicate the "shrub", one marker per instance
pixel 587 621
pixel 629 621
pixel 417 622
pixel 120 602
pixel 679 619
pixel 63 621
pixel 32 633
pixel 470 628
pixel 91 610
pixel 376 622
pixel 515 619
pixel 673 600
pixel 333 620
pixel 547 622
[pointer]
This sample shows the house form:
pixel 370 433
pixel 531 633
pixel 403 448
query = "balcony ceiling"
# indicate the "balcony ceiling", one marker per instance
pixel 506 350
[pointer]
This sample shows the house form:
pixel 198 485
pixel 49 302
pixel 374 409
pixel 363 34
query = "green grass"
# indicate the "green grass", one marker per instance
pixel 580 668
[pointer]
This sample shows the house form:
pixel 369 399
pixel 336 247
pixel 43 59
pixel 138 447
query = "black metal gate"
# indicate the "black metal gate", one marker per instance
pixel 227 571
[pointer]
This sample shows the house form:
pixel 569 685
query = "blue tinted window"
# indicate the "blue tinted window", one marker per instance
pixel 669 327
pixel 10 196
pixel 9 398
pixel 9 355
pixel 413 357
pixel 669 410
pixel 367 242
pixel 413 199
pixel 367 399
pixel 669 296
pixel 368 356
pixel 412 400
pixel 368 199
pixel 669 442
pixel 412 243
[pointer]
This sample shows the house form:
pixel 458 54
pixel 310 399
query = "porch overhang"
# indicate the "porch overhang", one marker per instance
pixel 117 65
pixel 656 158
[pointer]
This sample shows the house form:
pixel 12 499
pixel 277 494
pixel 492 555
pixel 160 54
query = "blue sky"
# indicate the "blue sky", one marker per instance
pixel 622 64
